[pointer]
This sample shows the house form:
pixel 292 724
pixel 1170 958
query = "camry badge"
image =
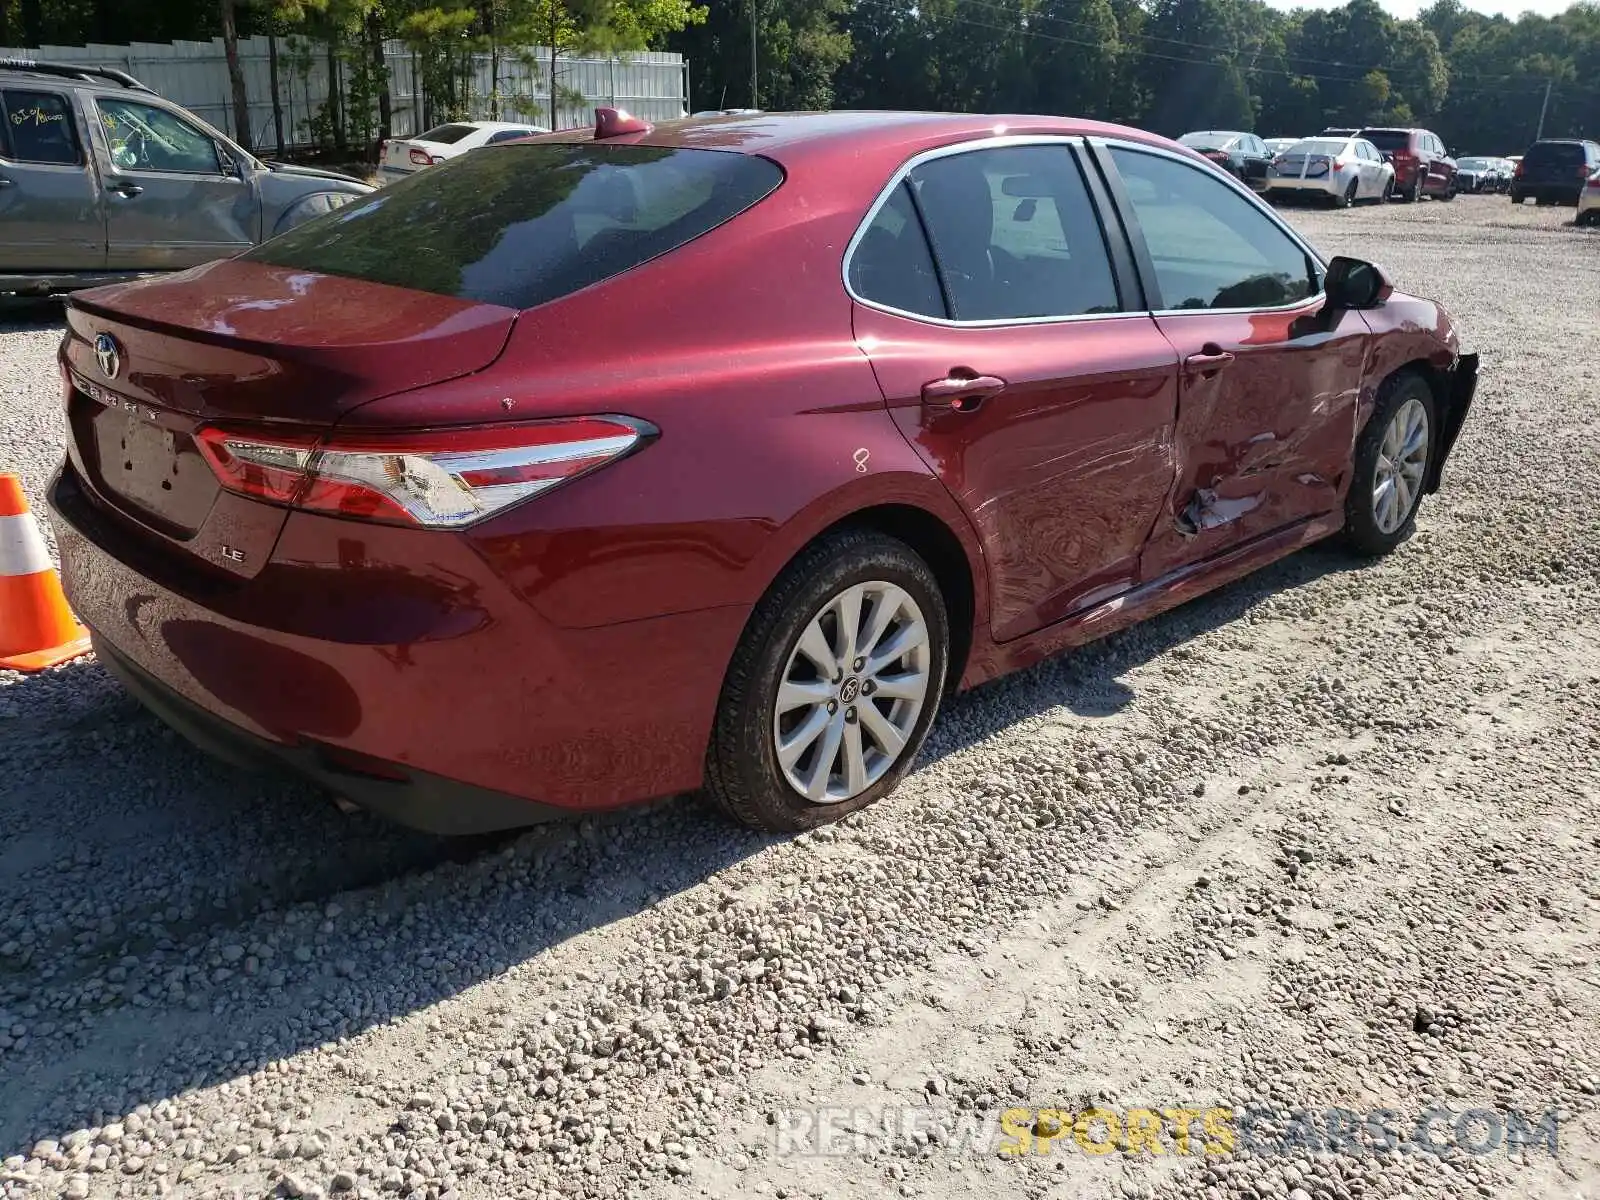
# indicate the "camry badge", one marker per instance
pixel 107 354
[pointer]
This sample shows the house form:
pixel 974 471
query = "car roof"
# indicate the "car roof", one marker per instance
pixel 791 136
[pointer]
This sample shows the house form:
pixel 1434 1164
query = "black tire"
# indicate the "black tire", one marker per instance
pixel 1361 532
pixel 1388 190
pixel 743 776
pixel 1543 201
pixel 1450 191
pixel 1413 194
pixel 1516 196
pixel 1349 197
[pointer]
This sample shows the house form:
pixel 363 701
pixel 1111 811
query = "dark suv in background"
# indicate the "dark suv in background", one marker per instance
pixel 1553 170
pixel 1422 165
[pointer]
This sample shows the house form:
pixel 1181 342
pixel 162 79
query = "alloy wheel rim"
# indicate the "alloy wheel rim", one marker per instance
pixel 851 692
pixel 1402 460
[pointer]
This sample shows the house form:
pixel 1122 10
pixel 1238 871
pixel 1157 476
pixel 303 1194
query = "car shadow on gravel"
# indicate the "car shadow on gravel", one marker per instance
pixel 170 923
pixel 30 316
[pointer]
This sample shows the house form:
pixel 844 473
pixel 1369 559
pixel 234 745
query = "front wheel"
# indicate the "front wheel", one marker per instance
pixel 1391 466
pixel 833 687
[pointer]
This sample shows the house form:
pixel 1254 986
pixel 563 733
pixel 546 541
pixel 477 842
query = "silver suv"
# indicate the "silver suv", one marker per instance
pixel 101 179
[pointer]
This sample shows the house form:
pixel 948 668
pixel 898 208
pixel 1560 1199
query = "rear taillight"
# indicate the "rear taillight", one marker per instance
pixel 1338 164
pixel 437 159
pixel 1517 172
pixel 437 479
pixel 420 157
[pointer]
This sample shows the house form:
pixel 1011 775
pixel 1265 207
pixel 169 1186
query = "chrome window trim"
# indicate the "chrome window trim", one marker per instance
pixel 992 142
pixel 1261 206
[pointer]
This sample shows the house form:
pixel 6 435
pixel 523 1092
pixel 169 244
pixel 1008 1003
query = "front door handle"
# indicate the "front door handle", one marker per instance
pixel 1211 359
pixel 962 390
pixel 4 182
pixel 130 190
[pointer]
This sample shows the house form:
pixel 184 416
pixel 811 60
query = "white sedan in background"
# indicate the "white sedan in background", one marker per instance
pixel 1589 201
pixel 1339 170
pixel 399 157
pixel 1279 145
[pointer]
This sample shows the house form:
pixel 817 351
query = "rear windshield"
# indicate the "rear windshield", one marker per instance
pixel 1566 153
pixel 1209 141
pixel 1388 139
pixel 1320 146
pixel 445 134
pixel 523 224
pixel 1475 164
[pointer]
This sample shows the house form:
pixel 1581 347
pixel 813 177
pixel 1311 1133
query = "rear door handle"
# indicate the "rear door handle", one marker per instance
pixel 961 390
pixel 130 190
pixel 4 182
pixel 1209 361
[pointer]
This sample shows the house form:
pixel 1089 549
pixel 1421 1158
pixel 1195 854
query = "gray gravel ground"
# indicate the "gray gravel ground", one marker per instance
pixel 1327 837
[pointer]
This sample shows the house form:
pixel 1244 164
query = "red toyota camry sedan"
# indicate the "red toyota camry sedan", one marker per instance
pixel 613 464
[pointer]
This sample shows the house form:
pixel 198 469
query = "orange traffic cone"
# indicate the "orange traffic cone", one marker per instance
pixel 37 629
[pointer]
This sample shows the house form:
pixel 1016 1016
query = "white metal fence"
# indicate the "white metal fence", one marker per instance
pixel 649 84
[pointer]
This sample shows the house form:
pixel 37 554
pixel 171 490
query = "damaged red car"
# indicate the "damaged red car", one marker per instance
pixel 621 463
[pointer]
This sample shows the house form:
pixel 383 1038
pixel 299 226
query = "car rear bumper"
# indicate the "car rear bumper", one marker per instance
pixel 389 174
pixel 1562 193
pixel 434 694
pixel 1314 185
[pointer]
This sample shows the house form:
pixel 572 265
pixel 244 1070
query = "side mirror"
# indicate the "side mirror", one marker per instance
pixel 1352 283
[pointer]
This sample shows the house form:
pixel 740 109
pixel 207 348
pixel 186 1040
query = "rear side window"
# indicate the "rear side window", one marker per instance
pixel 39 128
pixel 521 225
pixel 891 264
pixel 509 135
pixel 445 135
pixel 1015 234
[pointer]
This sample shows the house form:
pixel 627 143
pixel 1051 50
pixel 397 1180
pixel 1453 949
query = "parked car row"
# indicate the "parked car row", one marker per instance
pixel 1344 166
pixel 1478 174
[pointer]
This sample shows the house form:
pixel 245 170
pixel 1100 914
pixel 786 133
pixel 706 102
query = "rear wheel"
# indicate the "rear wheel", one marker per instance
pixel 1414 192
pixel 1391 463
pixel 833 687
pixel 1349 197
pixel 1516 196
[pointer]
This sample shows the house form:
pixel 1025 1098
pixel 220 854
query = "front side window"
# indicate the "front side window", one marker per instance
pixel 1015 234
pixel 1211 247
pixel 509 135
pixel 524 224
pixel 142 137
pixel 39 128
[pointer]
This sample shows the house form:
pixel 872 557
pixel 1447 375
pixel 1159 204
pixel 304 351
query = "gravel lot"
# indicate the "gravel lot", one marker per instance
pixel 1327 837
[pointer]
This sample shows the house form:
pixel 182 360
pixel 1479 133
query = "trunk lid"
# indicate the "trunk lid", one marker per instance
pixel 150 362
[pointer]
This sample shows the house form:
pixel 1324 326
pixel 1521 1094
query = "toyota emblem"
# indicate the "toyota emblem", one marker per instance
pixel 107 355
